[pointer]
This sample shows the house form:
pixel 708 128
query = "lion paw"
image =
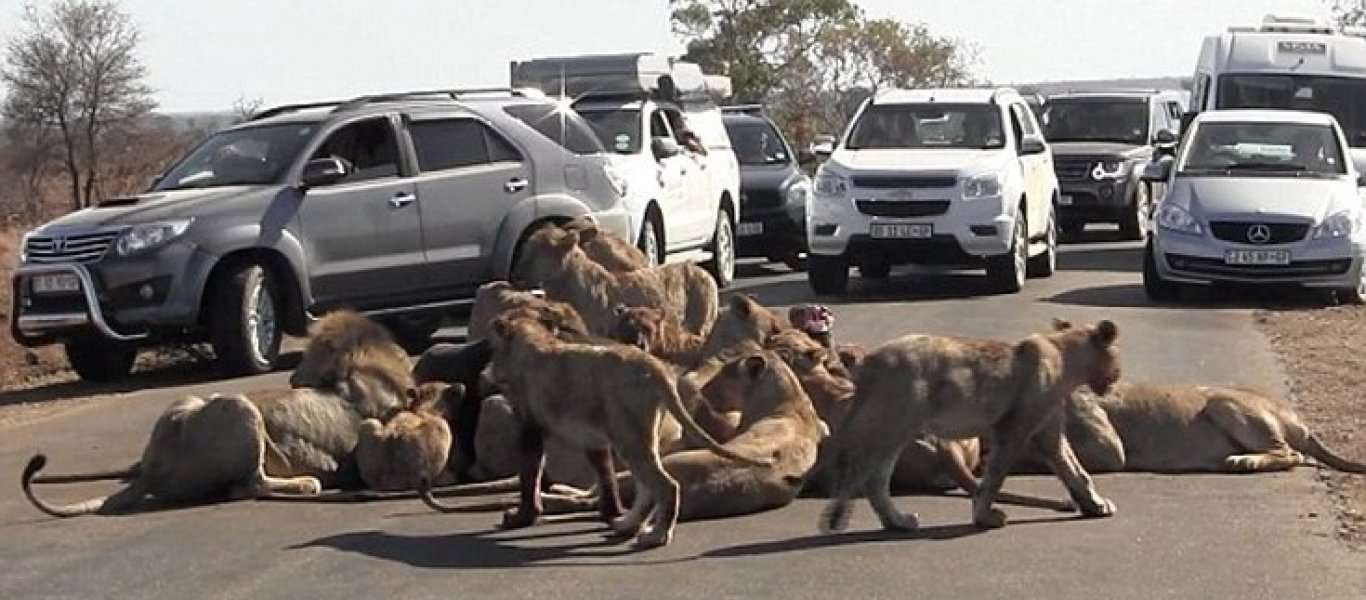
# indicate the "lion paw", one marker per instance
pixel 994 518
pixel 901 522
pixel 311 486
pixel 654 538
pixel 624 527
pixel 517 518
pixel 1101 508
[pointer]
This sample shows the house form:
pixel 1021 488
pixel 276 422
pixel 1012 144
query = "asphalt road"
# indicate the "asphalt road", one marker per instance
pixel 1244 537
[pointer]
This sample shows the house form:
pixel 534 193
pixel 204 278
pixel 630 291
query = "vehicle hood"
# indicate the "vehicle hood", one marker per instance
pixel 154 206
pixel 1098 149
pixel 1289 199
pixel 773 178
pixel 962 161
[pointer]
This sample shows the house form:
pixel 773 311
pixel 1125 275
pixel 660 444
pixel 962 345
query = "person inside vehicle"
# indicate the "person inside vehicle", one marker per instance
pixel 688 138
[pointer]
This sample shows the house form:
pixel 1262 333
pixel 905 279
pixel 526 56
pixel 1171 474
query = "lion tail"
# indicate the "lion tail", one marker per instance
pixel 673 402
pixel 127 498
pixel 1315 448
pixel 424 491
pixel 126 474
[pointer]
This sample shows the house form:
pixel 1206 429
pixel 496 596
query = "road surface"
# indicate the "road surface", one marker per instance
pixel 1245 537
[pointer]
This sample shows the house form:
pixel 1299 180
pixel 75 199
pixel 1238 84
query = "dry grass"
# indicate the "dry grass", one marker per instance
pixel 1321 351
pixel 21 367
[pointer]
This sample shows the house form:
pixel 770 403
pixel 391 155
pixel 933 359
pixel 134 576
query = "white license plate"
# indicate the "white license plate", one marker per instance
pixel 1257 257
pixel 901 231
pixel 747 229
pixel 57 283
pixel 1065 200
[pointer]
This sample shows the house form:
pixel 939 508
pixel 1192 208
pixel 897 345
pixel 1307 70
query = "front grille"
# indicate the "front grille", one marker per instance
pixel 1280 233
pixel 82 247
pixel 760 200
pixel 1214 266
pixel 1073 168
pixel 883 182
pixel 903 208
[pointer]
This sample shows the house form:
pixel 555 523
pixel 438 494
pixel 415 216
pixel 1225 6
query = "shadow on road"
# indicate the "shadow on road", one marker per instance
pixel 1124 259
pixel 1132 296
pixel 898 288
pixel 934 533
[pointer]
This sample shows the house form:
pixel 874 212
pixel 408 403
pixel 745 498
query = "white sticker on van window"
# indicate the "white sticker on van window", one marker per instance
pixel 623 142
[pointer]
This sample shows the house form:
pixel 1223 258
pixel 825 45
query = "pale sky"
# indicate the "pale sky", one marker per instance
pixel 203 55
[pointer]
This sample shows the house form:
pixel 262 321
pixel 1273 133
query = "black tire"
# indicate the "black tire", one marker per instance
pixel 722 263
pixel 875 270
pixel 649 242
pixel 1071 230
pixel 795 261
pixel 1044 265
pixel 99 360
pixel 1133 224
pixel 413 332
pixel 827 274
pixel 1006 272
pixel 1154 286
pixel 244 319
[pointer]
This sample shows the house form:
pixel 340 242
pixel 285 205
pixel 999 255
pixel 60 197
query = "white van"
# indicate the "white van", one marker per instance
pixel 657 118
pixel 1286 63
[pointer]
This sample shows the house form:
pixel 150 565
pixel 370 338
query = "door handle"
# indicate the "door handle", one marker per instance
pixel 402 199
pixel 514 185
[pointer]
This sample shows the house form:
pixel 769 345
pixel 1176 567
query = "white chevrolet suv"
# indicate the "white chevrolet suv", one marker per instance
pixel 952 178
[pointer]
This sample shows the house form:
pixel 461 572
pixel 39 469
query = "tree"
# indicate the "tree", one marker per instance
pixel 73 69
pixel 243 108
pixel 1349 13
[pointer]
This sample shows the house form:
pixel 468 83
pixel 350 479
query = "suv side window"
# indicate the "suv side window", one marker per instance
pixel 565 128
pixel 659 125
pixel 367 147
pixel 453 143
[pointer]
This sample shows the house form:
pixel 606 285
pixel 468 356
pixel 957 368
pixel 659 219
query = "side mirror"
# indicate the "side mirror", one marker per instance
pixel 1361 180
pixel 663 147
pixel 822 149
pixel 1164 137
pixel 1032 145
pixel 1157 171
pixel 323 171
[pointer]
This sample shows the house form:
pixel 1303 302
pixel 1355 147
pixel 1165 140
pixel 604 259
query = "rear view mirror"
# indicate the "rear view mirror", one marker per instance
pixel 323 171
pixel 663 147
pixel 1032 145
pixel 1157 171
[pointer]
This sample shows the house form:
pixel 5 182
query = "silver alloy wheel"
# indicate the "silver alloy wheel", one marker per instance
pixel 1143 208
pixel 1021 251
pixel 649 244
pixel 725 249
pixel 1052 237
pixel 261 324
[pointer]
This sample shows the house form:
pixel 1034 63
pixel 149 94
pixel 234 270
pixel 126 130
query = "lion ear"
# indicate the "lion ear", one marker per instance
pixel 1105 334
pixel 754 365
pixel 1061 324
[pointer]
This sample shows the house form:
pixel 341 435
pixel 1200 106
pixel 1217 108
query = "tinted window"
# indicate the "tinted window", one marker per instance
pixel 1338 96
pixel 240 157
pixel 366 147
pixel 1121 120
pixel 757 143
pixel 500 150
pixel 448 144
pixel 560 125
pixel 1236 148
pixel 928 126
pixel 619 130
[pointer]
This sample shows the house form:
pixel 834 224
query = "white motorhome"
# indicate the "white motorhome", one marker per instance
pixel 1295 63
pixel 657 118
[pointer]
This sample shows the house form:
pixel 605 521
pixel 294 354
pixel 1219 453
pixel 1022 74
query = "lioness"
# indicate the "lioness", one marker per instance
pixel 602 398
pixel 497 297
pixel 606 248
pixel 266 442
pixel 958 388
pixel 409 451
pixel 1184 428
pixel 659 333
pixel 552 258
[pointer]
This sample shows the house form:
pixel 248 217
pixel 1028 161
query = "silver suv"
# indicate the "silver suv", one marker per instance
pixel 396 205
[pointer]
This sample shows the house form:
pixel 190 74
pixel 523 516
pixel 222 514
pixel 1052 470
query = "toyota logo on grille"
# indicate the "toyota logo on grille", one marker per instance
pixel 1259 234
pixel 58 243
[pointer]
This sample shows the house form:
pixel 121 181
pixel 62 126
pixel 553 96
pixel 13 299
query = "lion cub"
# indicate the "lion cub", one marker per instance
pixel 410 451
pixel 959 388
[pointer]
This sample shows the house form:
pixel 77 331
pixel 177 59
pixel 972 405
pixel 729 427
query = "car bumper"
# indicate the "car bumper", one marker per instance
pixel 125 300
pixel 1090 199
pixel 967 232
pixel 771 232
pixel 1332 263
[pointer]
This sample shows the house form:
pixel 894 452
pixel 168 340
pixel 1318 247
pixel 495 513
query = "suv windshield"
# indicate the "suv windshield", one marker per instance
pixel 619 130
pixel 1123 120
pixel 1341 97
pixel 975 126
pixel 252 156
pixel 757 143
pixel 559 124
pixel 1275 148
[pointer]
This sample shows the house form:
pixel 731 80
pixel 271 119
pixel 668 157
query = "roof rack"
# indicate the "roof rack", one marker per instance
pixel 744 108
pixel 359 101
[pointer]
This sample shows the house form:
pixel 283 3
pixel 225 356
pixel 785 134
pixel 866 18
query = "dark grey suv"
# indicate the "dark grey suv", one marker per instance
pixel 395 205
pixel 773 190
pixel 1101 142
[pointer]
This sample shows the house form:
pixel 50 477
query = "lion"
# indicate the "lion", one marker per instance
pixel 606 248
pixel 410 450
pixel 554 260
pixel 496 297
pixel 959 388
pixel 658 332
pixel 604 399
pixel 1189 428
pixel 268 442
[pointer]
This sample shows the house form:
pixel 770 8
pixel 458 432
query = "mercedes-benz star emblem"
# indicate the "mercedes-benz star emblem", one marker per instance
pixel 1259 234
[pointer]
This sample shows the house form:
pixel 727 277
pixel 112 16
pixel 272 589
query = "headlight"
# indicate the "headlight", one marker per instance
pixel 1175 218
pixel 1109 169
pixel 147 236
pixel 982 186
pixel 614 177
pixel 23 247
pixel 799 193
pixel 1342 224
pixel 830 184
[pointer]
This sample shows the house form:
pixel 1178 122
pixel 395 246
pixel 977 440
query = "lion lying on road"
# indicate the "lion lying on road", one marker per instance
pixel 267 442
pixel 409 451
pixel 957 388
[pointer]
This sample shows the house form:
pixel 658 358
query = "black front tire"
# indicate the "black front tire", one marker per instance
pixel 1157 288
pixel 245 324
pixel 875 270
pixel 1044 265
pixel 827 274
pixel 1133 224
pixel 98 360
pixel 1006 272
